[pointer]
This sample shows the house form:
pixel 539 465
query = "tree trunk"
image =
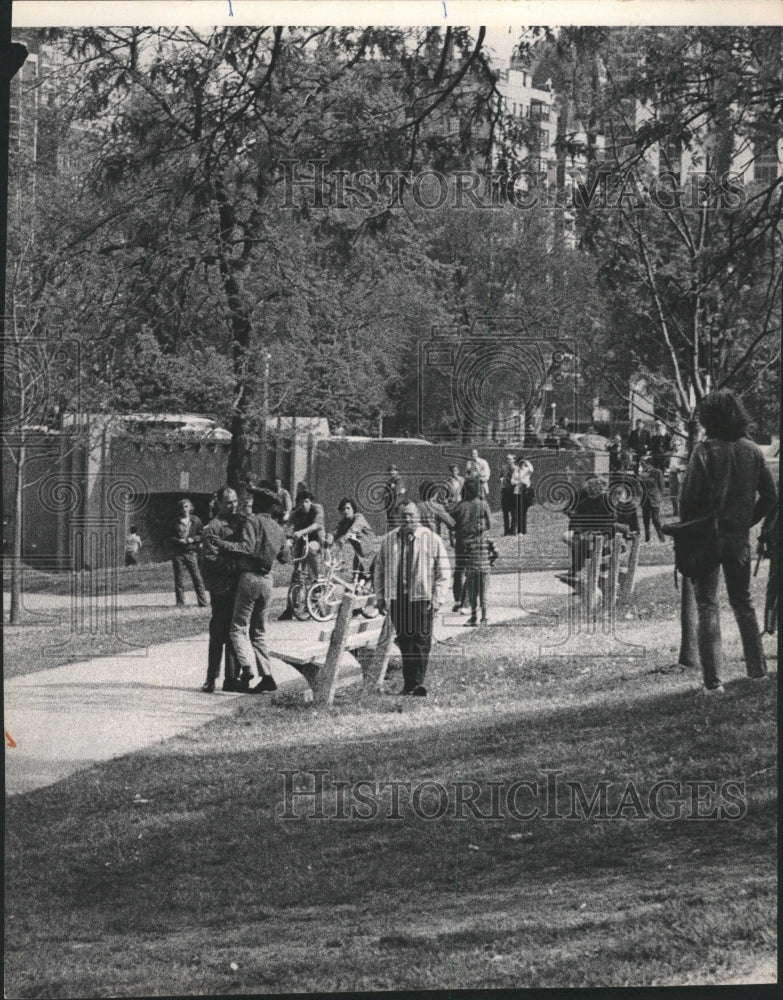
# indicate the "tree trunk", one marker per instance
pixel 16 557
pixel 239 458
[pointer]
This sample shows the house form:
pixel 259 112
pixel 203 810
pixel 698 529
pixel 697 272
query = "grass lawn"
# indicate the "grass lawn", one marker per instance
pixel 172 871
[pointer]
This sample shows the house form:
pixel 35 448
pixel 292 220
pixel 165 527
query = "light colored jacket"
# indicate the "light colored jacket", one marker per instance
pixel 521 475
pixel 430 570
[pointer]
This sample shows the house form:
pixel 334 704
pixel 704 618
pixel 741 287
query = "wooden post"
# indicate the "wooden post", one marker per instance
pixel 630 574
pixel 592 575
pixel 381 656
pixel 615 574
pixel 326 681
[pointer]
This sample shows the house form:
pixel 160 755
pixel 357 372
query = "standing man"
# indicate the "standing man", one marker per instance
pixel 284 499
pixel 480 467
pixel 221 575
pixel 133 544
pixel 411 577
pixel 454 487
pixel 768 548
pixel 508 503
pixel 651 479
pixel 616 454
pixel 186 542
pixel 727 475
pixel 261 542
pixel 523 492
pixel 639 441
pixel 471 523
pixel 394 492
pixel 660 446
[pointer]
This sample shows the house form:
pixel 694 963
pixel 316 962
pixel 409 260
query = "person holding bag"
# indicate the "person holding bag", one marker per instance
pixel 726 490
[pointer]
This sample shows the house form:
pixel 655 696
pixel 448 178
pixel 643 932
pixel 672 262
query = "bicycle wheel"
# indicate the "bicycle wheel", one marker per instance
pixel 323 600
pixel 297 600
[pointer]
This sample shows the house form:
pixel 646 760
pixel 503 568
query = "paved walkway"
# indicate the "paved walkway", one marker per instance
pixel 70 717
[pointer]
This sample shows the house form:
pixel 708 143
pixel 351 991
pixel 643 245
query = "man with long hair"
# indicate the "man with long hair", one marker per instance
pixel 727 474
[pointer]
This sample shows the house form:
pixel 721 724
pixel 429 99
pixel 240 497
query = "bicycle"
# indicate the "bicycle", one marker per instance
pixel 301 581
pixel 325 595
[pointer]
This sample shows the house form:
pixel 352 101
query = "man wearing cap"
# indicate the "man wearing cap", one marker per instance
pixel 394 492
pixel 411 581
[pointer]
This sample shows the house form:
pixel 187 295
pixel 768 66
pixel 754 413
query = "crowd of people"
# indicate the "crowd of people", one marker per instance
pixel 410 566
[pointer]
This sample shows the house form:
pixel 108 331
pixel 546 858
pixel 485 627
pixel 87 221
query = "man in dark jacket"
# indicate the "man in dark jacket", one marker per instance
pixel 727 474
pixel 471 524
pixel 639 440
pixel 660 447
pixel 221 575
pixel 186 545
pixel 261 542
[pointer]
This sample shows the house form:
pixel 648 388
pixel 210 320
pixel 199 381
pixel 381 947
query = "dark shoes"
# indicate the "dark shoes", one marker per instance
pixel 208 687
pixel 418 691
pixel 243 684
pixel 286 616
pixel 471 622
pixel 231 685
pixel 267 683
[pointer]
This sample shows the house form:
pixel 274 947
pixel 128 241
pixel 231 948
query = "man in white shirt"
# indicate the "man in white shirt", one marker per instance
pixel 479 467
pixel 411 580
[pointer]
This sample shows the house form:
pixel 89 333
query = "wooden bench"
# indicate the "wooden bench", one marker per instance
pixel 322 663
pixel 620 584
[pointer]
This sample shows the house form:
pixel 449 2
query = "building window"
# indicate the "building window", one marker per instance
pixel 766 166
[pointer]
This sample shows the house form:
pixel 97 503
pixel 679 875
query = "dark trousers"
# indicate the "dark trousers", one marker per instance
pixel 219 626
pixel 735 561
pixel 130 559
pixel 522 505
pixel 459 581
pixel 771 602
pixel 478 587
pixel 189 561
pixel 412 621
pixel 651 512
pixel 508 505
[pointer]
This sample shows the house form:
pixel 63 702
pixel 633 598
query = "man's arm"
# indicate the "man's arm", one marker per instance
pixel 693 487
pixel 217 561
pixel 248 536
pixel 379 576
pixel 441 573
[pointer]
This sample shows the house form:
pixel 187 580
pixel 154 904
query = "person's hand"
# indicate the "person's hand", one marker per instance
pixel 381 605
pixel 760 546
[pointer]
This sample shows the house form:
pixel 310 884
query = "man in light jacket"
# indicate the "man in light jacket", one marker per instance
pixel 411 581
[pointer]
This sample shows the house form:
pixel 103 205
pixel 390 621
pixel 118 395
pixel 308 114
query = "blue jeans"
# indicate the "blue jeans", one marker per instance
pixel 248 623
pixel 735 562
